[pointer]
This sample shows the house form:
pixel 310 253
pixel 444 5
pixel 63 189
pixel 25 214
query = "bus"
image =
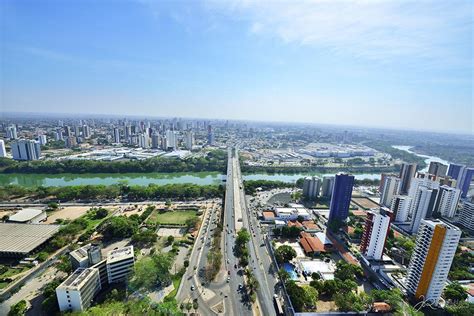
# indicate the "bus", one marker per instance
pixel 278 307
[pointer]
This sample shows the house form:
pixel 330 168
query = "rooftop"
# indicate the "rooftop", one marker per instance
pixel 77 278
pixel 120 254
pixel 24 238
pixel 25 215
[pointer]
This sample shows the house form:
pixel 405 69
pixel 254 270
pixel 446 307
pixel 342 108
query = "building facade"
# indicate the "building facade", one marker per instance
pixel 341 197
pixel 390 188
pixel 377 226
pixel 407 173
pixel 429 266
pixel 78 290
pixel 25 149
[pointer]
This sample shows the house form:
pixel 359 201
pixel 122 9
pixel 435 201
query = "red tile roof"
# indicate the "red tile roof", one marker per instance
pixel 268 214
pixel 294 223
pixel 311 244
pixel 381 307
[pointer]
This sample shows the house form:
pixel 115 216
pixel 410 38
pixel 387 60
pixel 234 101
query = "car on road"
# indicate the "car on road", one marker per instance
pixel 192 288
pixel 228 279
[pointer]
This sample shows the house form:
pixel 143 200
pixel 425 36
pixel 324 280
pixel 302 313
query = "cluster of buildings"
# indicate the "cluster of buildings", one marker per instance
pixel 413 196
pixel 92 273
pixel 326 150
pixel 314 187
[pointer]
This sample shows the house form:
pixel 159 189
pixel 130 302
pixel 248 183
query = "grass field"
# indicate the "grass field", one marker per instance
pixel 176 217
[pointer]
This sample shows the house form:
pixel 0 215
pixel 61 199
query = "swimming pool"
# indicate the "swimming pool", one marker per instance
pixel 291 270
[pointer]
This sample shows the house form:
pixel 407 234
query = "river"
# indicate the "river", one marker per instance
pixel 201 178
pixel 428 159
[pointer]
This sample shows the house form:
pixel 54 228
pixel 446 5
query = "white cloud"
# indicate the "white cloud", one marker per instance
pixel 371 29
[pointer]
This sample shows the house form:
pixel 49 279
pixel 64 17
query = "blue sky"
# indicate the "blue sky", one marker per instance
pixel 396 64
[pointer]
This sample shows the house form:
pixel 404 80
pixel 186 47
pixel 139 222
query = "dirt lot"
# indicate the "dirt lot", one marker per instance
pixel 365 203
pixel 68 212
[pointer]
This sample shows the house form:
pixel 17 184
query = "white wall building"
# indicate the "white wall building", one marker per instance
pixel 434 251
pixel 311 187
pixel 376 228
pixel 448 199
pixel 466 216
pixel 25 149
pixel 401 207
pixel 78 290
pixel 390 188
pixel 291 213
pixel 120 263
pixel 423 204
pixel 189 140
pixel 28 216
pixel 3 151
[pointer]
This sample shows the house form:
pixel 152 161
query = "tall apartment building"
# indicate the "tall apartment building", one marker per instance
pixel 467 176
pixel 116 135
pixel 390 188
pixel 466 215
pixel 25 149
pixel 455 171
pixel 78 290
pixel 422 207
pixel 189 140
pixel 120 263
pixel 155 140
pixel 3 151
pixel 435 247
pixel 437 168
pixel 311 187
pixel 171 140
pixel 85 256
pixel 143 140
pixel 447 201
pixel 377 226
pixel 86 131
pixel 327 186
pixel 401 207
pixel 407 172
pixel 11 132
pixel 341 197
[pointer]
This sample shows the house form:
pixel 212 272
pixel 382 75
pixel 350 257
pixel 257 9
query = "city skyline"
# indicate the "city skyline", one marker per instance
pixel 357 64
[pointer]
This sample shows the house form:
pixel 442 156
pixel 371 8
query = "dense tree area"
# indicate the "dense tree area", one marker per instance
pixel 351 301
pixel 251 186
pixel 100 192
pixel 285 253
pixel 214 161
pixel 287 232
pixel 346 271
pixel 152 272
pixel 461 309
pixel 241 250
pixel 119 227
pixel 454 292
pixel 19 309
pixel 142 306
pixel 303 298
pixel 316 169
pixel 460 267
pixel 50 302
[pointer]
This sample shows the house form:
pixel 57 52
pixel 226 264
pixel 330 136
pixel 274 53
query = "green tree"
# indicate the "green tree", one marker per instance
pixel 18 309
pixel 461 309
pixel 118 227
pixel 351 302
pixel 455 292
pixel 285 253
pixel 347 271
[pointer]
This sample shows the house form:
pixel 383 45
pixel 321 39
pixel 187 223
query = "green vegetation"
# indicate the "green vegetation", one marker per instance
pixel 50 303
pixel 152 272
pixel 214 256
pixel 142 306
pixel 460 267
pixel 315 169
pixel 214 161
pixel 461 309
pixel 407 245
pixel 397 153
pixel 346 271
pixel 180 217
pixel 251 285
pixel 287 232
pixel 351 301
pixel 181 191
pixel 285 253
pixel 454 292
pixel 252 185
pixel 119 227
pixel 241 250
pixel 19 309
pixel 303 298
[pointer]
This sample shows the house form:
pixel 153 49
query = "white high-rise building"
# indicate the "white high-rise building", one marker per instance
pixel 327 186
pixel 466 215
pixel 155 140
pixel 11 132
pixel 78 290
pixel 189 140
pixel 401 207
pixel 430 263
pixel 422 207
pixel 311 187
pixel 120 263
pixel 116 135
pixel 25 149
pixel 3 151
pixel 377 225
pixel 171 141
pixel 42 139
pixel 143 140
pixel 390 188
pixel 448 199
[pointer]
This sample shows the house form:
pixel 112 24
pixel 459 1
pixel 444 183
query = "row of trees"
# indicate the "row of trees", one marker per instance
pixel 214 256
pixel 180 191
pixel 213 161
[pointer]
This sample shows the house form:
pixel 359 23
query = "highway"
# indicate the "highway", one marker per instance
pixel 225 288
